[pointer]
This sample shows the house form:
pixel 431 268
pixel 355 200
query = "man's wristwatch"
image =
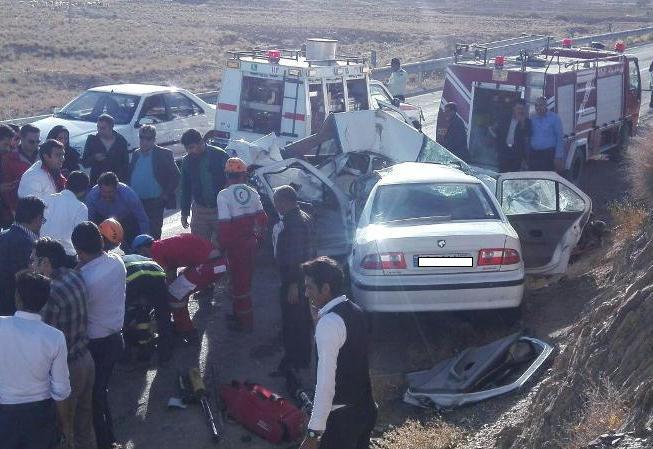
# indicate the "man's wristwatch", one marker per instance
pixel 314 434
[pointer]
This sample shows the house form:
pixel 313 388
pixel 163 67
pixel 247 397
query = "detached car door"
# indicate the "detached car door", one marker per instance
pixel 549 214
pixel 318 196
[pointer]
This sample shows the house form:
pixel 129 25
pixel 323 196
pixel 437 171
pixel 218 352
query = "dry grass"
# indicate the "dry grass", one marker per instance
pixel 629 218
pixel 640 167
pixel 415 435
pixel 604 411
pixel 52 50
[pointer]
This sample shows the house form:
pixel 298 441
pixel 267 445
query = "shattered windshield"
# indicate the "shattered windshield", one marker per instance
pixel 431 201
pixel 434 153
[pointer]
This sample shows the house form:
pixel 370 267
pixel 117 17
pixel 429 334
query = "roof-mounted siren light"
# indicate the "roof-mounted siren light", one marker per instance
pixel 499 61
pixel 620 46
pixel 273 56
pixel 321 50
pixel 567 42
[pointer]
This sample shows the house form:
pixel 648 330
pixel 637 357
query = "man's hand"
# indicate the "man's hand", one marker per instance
pixel 310 443
pixel 184 221
pixel 100 156
pixel 559 165
pixel 293 294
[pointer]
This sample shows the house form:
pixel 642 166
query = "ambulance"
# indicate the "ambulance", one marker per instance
pixel 289 93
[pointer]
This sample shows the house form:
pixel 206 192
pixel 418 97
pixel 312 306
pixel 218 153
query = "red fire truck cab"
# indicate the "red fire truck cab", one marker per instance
pixel 596 93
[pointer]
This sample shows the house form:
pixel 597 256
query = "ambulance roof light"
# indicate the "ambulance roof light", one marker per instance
pixel 273 55
pixel 567 42
pixel 499 61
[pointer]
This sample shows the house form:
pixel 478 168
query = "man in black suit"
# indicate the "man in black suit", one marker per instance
pixel 16 248
pixel 154 176
pixel 513 141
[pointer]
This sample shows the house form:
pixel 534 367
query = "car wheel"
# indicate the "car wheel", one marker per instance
pixel 617 154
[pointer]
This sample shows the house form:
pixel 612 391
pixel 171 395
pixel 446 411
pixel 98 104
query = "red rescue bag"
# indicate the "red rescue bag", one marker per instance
pixel 263 412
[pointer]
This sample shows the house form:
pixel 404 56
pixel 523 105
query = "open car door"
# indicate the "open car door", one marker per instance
pixel 318 196
pixel 549 214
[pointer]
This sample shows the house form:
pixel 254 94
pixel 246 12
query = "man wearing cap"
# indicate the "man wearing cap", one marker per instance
pixel 241 226
pixel 398 80
pixel 202 268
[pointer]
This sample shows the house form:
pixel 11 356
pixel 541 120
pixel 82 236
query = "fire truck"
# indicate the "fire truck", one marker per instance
pixel 595 92
pixel 287 92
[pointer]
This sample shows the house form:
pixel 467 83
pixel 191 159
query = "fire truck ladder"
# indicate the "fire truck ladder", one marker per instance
pixel 286 82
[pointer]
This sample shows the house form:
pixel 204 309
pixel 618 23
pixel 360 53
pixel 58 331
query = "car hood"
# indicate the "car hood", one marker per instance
pixel 398 230
pixel 76 128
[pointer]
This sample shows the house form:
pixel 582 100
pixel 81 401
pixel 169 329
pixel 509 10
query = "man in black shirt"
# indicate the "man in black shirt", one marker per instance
pixel 344 412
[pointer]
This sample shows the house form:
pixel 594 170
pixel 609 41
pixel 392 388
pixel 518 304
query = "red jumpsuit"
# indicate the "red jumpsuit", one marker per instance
pixel 193 253
pixel 241 225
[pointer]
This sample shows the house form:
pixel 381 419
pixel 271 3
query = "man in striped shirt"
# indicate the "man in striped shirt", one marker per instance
pixel 66 311
pixel 146 281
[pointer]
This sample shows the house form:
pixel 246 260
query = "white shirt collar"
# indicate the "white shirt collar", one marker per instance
pixel 27 315
pixel 330 305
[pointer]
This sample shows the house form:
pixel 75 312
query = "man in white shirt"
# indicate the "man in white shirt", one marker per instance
pixel 66 210
pixel 44 177
pixel 344 412
pixel 105 277
pixel 398 80
pixel 33 370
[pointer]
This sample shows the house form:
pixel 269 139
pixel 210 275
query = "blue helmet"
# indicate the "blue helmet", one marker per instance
pixel 142 240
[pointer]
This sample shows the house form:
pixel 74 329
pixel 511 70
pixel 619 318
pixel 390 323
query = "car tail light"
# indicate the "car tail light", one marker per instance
pixel 384 261
pixel 498 256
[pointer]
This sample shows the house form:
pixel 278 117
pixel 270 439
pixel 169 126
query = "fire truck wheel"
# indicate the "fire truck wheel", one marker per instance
pixel 577 168
pixel 620 151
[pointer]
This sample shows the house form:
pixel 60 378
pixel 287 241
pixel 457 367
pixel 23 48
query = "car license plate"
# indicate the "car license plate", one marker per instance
pixel 452 261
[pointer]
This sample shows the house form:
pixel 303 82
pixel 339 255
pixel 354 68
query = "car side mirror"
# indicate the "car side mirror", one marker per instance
pixel 144 121
pixel 396 102
pixel 56 110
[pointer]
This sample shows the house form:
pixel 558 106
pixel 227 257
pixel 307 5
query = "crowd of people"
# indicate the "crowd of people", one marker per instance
pixel 77 250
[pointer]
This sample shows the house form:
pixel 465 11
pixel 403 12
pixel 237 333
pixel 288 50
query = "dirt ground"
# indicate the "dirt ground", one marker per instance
pixel 51 50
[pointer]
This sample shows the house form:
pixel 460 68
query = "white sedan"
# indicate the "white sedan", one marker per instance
pixel 432 238
pixel 171 110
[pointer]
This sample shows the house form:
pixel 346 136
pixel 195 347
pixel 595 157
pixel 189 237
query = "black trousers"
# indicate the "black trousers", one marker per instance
pixel 297 330
pixel 350 427
pixel 154 210
pixel 29 426
pixel 541 160
pixel 154 291
pixel 106 352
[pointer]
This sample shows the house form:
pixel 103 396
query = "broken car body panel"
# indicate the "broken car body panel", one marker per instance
pixel 478 374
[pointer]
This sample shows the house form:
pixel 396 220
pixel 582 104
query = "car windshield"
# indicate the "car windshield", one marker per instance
pixel 90 105
pixel 432 202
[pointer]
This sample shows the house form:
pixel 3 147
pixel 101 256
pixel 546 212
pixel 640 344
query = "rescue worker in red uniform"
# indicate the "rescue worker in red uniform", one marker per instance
pixel 241 226
pixel 201 264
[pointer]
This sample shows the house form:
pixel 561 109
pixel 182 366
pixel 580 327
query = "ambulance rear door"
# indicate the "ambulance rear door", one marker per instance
pixel 294 116
pixel 226 111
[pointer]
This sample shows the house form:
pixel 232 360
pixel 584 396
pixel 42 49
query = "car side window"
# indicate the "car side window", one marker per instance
pixel 570 201
pixel 528 196
pixel 180 106
pixel 154 108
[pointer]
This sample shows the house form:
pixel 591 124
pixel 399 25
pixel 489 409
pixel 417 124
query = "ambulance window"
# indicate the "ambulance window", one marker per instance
pixel 260 105
pixel 357 94
pixel 317 106
pixel 336 93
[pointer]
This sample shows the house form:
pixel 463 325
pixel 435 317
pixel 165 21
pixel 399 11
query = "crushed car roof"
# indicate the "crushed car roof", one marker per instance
pixel 419 172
